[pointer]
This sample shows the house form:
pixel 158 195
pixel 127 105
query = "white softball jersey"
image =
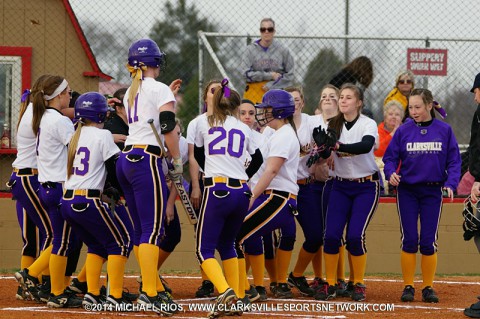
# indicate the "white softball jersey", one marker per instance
pixel 225 147
pixel 26 142
pixel 53 137
pixel 304 133
pixel 353 165
pixel 152 95
pixel 284 143
pixel 94 147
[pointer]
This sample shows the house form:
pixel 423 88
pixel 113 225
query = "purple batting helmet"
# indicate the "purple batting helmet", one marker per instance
pixel 92 106
pixel 280 101
pixel 146 51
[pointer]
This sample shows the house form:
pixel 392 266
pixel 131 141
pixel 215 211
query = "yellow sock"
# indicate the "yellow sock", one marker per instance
pixel 148 257
pixel 258 268
pixel 162 256
pixel 41 264
pixel 351 275
pixel 304 258
pixel 115 271
pixel 82 275
pixel 283 262
pixel 341 263
pixel 204 275
pixel 26 261
pixel 159 284
pixel 230 267
pixel 359 263
pixel 317 263
pixel 408 262
pixel 271 266
pixel 57 265
pixel 242 278
pixel 94 263
pixel 331 262
pixel 429 267
pixel 215 274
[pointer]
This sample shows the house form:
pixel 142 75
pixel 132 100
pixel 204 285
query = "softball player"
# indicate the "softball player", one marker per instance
pixel 139 168
pixel 32 217
pixel 421 140
pixel 223 140
pixel 328 107
pixel 273 201
pixel 309 199
pixel 259 251
pixel 355 191
pixel 206 289
pixel 53 134
pixel 91 149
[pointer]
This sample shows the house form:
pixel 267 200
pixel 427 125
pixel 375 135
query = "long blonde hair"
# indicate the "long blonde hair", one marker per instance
pixel 37 86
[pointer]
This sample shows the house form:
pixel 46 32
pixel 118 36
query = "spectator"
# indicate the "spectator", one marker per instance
pixel 393 114
pixel 404 84
pixel 267 64
pixel 359 72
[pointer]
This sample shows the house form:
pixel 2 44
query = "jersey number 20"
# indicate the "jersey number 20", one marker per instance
pixel 235 142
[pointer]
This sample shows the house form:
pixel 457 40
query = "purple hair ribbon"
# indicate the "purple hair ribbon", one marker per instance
pixel 225 88
pixel 25 95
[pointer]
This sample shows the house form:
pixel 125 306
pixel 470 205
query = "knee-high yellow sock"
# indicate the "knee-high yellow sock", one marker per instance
pixel 41 264
pixel 351 275
pixel 26 261
pixel 283 262
pixel 162 256
pixel 148 257
pixel 429 267
pixel 115 271
pixel 258 268
pixel 304 258
pixel 331 262
pixel 57 266
pixel 271 266
pixel 94 264
pixel 215 274
pixel 82 275
pixel 408 262
pixel 359 263
pixel 242 278
pixel 230 267
pixel 317 263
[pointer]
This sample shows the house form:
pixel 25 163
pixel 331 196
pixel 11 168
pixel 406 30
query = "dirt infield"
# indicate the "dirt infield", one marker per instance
pixel 383 300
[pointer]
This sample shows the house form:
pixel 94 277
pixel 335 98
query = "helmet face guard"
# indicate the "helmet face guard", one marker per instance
pixel 281 103
pixel 92 106
pixel 146 52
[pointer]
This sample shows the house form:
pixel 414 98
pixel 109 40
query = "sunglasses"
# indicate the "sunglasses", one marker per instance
pixel 405 82
pixel 263 30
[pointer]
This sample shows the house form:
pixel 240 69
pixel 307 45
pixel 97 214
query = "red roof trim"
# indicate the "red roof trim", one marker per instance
pixel 86 47
pixel 26 54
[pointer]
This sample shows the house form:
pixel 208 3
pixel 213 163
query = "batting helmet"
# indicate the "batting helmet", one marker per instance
pixel 92 106
pixel 146 51
pixel 282 105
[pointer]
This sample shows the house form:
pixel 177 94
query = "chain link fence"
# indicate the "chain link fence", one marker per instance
pixel 322 35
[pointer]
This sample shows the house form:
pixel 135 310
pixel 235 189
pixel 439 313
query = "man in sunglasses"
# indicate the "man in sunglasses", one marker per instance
pixel 266 64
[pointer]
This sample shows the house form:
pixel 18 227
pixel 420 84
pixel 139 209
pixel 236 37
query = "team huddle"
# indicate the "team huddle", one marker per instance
pixel 256 168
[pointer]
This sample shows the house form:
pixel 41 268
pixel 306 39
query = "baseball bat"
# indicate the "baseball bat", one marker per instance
pixel 177 182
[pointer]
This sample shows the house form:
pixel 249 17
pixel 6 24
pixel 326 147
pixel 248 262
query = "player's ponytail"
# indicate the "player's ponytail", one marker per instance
pixel 72 148
pixel 27 96
pixel 136 72
pixel 50 84
pixel 225 102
